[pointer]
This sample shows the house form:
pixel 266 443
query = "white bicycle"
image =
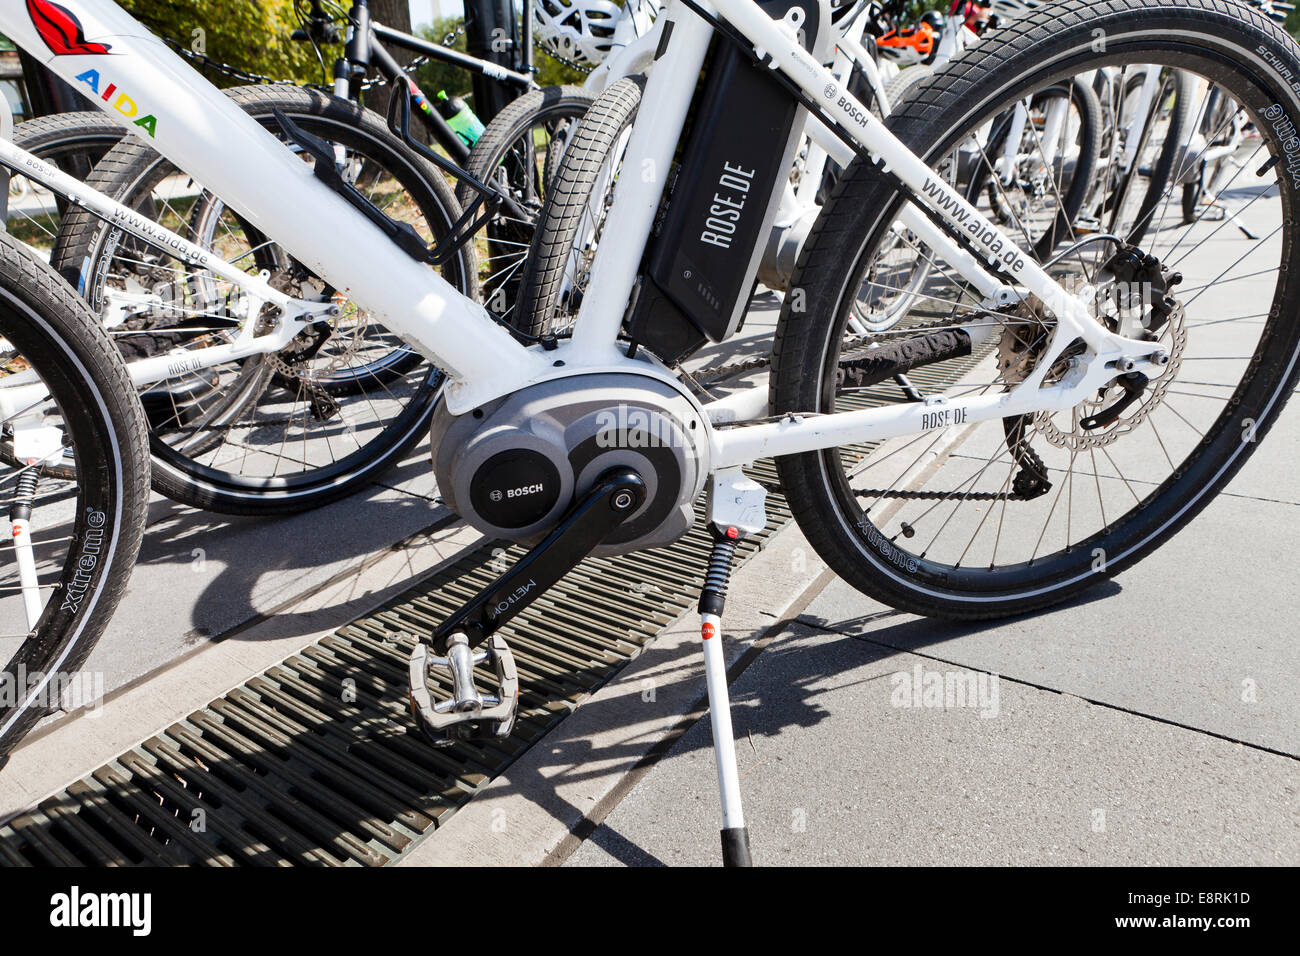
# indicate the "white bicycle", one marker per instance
pixel 1062 428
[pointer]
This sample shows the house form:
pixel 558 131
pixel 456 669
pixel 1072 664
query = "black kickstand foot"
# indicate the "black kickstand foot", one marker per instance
pixel 735 847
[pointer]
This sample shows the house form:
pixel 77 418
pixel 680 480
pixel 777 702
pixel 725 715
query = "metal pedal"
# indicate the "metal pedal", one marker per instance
pixel 467 714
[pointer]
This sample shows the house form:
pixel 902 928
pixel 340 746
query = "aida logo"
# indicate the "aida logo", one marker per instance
pixel 61 30
pixel 119 101
pixel 63 33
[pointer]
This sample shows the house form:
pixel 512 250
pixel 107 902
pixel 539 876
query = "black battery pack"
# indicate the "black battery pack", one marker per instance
pixel 703 257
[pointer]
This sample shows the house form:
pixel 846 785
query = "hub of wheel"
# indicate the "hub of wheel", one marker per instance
pixel 1132 296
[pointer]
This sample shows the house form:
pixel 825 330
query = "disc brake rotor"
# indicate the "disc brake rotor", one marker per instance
pixel 1128 277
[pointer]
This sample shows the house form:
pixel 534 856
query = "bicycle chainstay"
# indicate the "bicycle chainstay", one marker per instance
pixel 1030 482
pixel 720 373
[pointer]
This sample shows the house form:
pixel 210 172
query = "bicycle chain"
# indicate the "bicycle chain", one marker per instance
pixel 206 62
pixel 451 38
pixel 774 488
pixel 559 58
pixel 1025 452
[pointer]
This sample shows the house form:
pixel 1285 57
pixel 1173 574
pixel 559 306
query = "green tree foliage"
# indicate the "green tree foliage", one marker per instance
pixel 917 7
pixel 436 75
pixel 252 35
pixel 551 72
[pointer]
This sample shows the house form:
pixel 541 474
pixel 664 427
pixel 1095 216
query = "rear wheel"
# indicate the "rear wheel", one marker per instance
pixel 1007 516
pixel 75 143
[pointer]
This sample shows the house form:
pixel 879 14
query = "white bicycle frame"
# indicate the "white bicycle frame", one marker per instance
pixel 203 132
pixel 637 56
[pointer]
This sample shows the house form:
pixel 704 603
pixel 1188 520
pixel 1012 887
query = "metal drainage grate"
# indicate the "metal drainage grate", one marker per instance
pixel 317 760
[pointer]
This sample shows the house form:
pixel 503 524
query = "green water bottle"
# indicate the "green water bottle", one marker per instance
pixel 460 118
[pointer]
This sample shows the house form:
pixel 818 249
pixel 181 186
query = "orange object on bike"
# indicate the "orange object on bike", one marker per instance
pixel 920 38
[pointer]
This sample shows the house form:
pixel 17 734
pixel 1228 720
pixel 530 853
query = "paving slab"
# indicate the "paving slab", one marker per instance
pixel 1202 632
pixel 1154 721
pixel 835 771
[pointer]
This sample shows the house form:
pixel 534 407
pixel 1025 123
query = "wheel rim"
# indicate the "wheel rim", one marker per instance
pixel 894 529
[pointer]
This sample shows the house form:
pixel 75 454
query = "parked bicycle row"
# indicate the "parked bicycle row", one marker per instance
pixel 983 217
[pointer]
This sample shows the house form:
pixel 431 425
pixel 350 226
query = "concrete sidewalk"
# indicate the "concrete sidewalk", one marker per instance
pixel 1154 721
pixel 202 576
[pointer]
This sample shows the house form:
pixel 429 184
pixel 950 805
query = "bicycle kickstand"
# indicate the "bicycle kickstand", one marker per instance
pixel 736 512
pixel 36 445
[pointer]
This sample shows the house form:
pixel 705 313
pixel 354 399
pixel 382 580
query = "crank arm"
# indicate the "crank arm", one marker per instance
pixel 615 497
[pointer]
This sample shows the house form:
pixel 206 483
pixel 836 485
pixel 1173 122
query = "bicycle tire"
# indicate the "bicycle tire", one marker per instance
pixel 900 89
pixel 508 238
pixel 74 142
pixel 1217 38
pixel 569 198
pixel 58 336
